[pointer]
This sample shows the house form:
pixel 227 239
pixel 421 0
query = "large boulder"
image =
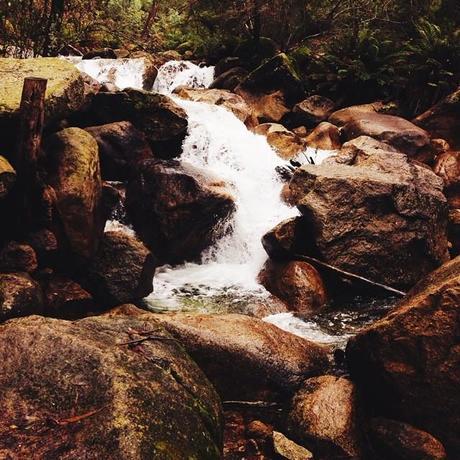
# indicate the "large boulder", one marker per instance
pixel 229 79
pixel 101 388
pixel 122 270
pixel 18 257
pixel 286 144
pixel 176 208
pixel 311 111
pixel 385 219
pixel 296 283
pixel 7 177
pixel 325 136
pixel 20 295
pixel 443 119
pixel 158 116
pixel 64 93
pixel 245 357
pixel 227 99
pixel 396 131
pixel 74 175
pixel 408 363
pixel 401 441
pixel 121 147
pixel 447 166
pixel 325 416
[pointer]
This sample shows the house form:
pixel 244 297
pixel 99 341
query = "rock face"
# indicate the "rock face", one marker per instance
pixel 7 177
pixel 76 179
pixel 227 99
pixel 122 269
pixel 17 257
pixel 64 93
pixel 385 220
pixel 296 283
pixel 396 131
pixel 400 441
pixel 443 119
pixel 121 147
pixel 159 117
pixel 407 364
pixel 177 209
pixel 325 417
pixel 325 136
pixel 245 357
pixel 81 392
pixel 20 295
pixel 312 111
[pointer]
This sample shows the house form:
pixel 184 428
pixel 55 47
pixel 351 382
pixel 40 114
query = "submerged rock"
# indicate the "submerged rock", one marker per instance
pixel 81 391
pixel 384 219
pixel 20 295
pixel 177 209
pixel 163 122
pixel 122 270
pixel 296 283
pixel 407 364
pixel 325 416
pixel 121 147
pixel 74 175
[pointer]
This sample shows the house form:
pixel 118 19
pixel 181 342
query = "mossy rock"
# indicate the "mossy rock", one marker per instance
pixel 80 390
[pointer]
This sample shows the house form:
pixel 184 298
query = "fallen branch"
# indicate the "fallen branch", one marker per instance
pixel 256 404
pixel 349 275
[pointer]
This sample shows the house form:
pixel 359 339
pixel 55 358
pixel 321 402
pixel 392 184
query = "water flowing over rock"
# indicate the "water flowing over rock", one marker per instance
pixel 177 208
pixel 384 219
pixel 121 147
pixel 407 364
pixel 82 391
pixel 162 121
pixel 75 177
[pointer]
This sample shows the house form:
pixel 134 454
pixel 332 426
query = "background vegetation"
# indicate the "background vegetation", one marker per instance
pixel 351 50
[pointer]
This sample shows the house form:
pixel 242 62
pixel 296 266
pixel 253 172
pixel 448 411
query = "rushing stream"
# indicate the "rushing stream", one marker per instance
pixel 218 142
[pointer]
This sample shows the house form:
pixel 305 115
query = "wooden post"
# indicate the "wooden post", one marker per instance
pixel 32 116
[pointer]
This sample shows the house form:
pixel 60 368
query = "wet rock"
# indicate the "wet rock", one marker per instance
pixel 245 357
pixel 20 295
pixel 400 441
pixel 447 166
pixel 66 299
pixel 325 416
pixel 266 108
pixel 289 449
pixel 74 175
pixel 121 147
pixel 81 392
pixel 407 364
pixel 390 226
pixel 7 177
pixel 163 122
pixel 151 65
pixel 227 99
pixel 396 131
pixel 325 136
pixel 102 53
pixel 122 270
pixel 17 257
pixel 229 79
pixel 64 93
pixel 311 111
pixel 177 209
pixel 296 283
pixel 443 119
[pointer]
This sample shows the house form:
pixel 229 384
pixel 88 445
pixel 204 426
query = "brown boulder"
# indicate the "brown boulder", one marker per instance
pixel 163 122
pixel 80 390
pixel 400 441
pixel 122 270
pixel 266 108
pixel 121 147
pixel 176 208
pixel 325 136
pixel 227 99
pixel 245 357
pixel 325 416
pixel 454 231
pixel 17 257
pixel 7 177
pixel 385 219
pixel 66 299
pixel 311 111
pixel 229 79
pixel 408 364
pixel 296 283
pixel 447 166
pixel 20 295
pixel 75 177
